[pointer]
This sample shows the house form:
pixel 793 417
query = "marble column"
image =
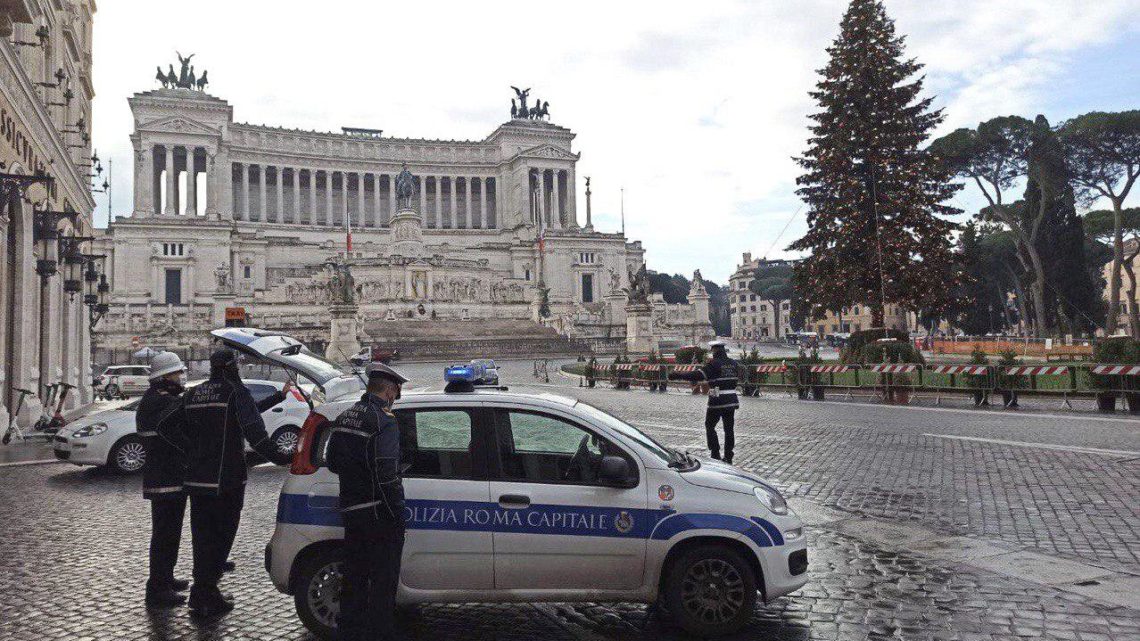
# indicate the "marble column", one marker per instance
pixel 423 198
pixel 245 208
pixel 438 202
pixel 469 223
pixel 483 203
pixel 296 196
pixel 261 175
pixel 454 203
pixel 279 208
pixel 144 175
pixel 543 214
pixel 171 208
pixel 375 200
pixel 328 217
pixel 497 206
pixel 572 199
pixel 555 199
pixel 191 183
pixel 391 200
pixel 312 197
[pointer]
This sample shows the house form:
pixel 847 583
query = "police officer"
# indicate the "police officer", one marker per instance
pixel 721 373
pixel 364 450
pixel 214 418
pixel 162 479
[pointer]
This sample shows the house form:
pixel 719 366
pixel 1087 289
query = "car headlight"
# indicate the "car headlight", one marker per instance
pixel 87 431
pixel 771 499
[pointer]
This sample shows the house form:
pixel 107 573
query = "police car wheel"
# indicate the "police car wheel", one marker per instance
pixel 710 590
pixel 128 456
pixel 285 439
pixel 317 592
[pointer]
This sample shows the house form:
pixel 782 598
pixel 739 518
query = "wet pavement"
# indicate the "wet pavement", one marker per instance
pixel 74 540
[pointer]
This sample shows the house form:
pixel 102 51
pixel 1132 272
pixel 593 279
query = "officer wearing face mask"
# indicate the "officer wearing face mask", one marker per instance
pixel 214 418
pixel 364 451
pixel 162 479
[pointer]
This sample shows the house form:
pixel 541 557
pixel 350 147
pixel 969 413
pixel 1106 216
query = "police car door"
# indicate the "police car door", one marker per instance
pixel 557 528
pixel 444 470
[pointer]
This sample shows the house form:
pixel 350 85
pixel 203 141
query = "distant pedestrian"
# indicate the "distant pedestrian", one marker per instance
pixel 364 451
pixel 214 418
pixel 163 474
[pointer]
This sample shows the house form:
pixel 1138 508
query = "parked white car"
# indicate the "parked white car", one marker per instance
pixel 122 380
pixel 109 438
pixel 523 497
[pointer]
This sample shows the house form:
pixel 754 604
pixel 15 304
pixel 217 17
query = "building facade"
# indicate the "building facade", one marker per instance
pixel 753 318
pixel 232 215
pixel 46 206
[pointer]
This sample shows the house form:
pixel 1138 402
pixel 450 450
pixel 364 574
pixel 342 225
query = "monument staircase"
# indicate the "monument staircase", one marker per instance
pixel 463 340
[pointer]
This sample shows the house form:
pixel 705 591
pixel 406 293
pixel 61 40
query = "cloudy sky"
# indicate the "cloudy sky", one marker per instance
pixel 694 108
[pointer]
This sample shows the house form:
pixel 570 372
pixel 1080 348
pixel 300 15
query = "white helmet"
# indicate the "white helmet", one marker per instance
pixel 165 363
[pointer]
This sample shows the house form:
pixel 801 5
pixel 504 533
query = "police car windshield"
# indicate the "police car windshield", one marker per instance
pixel 627 430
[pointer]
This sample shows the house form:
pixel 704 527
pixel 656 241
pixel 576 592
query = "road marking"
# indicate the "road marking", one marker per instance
pixel 1043 446
pixel 41 462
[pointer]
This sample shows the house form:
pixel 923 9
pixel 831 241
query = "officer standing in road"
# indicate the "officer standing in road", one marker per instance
pixel 214 418
pixel 722 374
pixel 364 450
pixel 162 479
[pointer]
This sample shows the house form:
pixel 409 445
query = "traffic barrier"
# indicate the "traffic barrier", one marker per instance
pixel 757 377
pixel 655 376
pixel 623 375
pixel 974 379
pixel 1047 379
pixel 1125 383
pixel 696 387
pixel 894 381
pixel 817 378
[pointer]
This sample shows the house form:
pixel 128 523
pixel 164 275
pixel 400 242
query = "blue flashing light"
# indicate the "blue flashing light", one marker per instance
pixel 459 374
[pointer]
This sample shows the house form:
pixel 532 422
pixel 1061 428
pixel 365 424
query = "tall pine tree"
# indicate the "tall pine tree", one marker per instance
pixel 876 197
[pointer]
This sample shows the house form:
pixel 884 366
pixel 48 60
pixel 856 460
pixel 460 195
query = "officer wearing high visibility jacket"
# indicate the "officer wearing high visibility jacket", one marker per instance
pixel 722 374
pixel 213 419
pixel 163 474
pixel 364 450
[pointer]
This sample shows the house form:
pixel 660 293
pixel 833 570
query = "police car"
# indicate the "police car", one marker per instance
pixel 525 497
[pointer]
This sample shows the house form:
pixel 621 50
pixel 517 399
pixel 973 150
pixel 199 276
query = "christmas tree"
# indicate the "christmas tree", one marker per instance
pixel 875 227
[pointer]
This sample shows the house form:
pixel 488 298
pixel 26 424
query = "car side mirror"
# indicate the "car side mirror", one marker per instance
pixel 613 470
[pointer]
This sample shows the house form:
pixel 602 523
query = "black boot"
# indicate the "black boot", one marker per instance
pixel 179 585
pixel 209 604
pixel 228 566
pixel 728 458
pixel 166 598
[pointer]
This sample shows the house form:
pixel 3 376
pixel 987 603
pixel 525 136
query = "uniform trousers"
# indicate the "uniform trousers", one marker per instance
pixel 372 549
pixel 166 515
pixel 213 523
pixel 727 415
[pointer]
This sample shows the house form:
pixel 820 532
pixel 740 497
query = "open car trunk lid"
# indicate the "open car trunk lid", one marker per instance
pixel 290 353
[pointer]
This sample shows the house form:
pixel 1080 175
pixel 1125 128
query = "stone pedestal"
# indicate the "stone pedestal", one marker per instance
pixel 639 329
pixel 343 330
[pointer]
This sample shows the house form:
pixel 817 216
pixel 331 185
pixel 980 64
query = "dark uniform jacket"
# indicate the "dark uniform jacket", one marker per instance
pixel 364 450
pixel 722 374
pixel 165 459
pixel 213 419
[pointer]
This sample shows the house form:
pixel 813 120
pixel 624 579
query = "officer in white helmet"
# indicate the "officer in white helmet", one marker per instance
pixel 163 473
pixel 722 375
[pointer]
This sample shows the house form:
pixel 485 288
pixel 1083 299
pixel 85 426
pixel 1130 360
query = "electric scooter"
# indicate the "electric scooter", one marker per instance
pixel 57 420
pixel 13 427
pixel 41 424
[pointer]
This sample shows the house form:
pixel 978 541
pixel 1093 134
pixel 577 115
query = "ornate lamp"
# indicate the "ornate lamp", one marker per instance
pixel 73 260
pixel 45 234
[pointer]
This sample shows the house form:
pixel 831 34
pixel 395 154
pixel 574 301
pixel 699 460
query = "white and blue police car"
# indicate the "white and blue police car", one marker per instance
pixel 536 497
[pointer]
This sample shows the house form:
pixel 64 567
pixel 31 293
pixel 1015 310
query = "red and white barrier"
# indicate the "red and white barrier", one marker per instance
pixel 1117 370
pixel 892 369
pixel 1037 371
pixel 958 369
pixel 771 369
pixel 686 368
pixel 831 369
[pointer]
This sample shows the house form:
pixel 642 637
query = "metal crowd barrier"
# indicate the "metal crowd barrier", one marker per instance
pixel 899 382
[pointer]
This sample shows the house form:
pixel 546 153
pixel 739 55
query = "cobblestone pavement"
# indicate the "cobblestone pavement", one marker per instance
pixel 73 541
